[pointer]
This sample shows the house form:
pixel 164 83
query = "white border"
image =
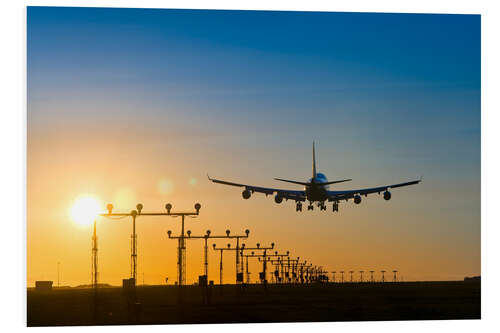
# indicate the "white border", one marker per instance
pixel 13 139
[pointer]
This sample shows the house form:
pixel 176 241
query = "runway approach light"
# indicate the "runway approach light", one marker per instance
pixel 109 207
pixel 168 207
pixel 139 207
pixel 197 206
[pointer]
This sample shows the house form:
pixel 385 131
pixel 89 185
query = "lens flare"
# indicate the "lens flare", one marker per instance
pixel 84 210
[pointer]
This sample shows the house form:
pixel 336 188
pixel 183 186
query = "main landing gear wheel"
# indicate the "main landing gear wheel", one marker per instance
pixel 310 207
pixel 299 207
pixel 335 207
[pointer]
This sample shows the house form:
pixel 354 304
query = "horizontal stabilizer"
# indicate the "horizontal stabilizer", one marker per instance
pixel 336 181
pixel 309 184
pixel 293 182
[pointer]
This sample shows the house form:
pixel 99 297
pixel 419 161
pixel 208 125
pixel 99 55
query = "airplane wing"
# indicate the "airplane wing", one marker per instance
pixel 344 195
pixel 286 194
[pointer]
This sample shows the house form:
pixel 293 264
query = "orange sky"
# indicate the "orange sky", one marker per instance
pixel 374 235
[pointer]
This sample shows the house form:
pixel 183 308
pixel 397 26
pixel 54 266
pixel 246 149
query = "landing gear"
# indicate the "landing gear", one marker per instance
pixel 321 205
pixel 335 207
pixel 299 206
pixel 310 207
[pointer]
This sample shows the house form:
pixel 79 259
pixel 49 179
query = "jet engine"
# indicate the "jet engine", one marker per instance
pixel 246 194
pixel 278 199
pixel 357 199
pixel 387 195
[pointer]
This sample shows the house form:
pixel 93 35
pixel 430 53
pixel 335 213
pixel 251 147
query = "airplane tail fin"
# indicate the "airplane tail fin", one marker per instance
pixel 314 163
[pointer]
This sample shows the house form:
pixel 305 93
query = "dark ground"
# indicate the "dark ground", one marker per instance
pixel 322 302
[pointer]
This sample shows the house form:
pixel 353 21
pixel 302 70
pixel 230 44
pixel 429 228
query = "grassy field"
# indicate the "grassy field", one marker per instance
pixel 229 304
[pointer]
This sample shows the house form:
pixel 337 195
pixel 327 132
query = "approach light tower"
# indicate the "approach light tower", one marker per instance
pixel 342 272
pixel 351 272
pixel 239 270
pixel 371 276
pixel 205 238
pixel 94 259
pixel 395 277
pixel 264 255
pixel 278 264
pixel 181 250
pixel 290 274
pixel 383 277
pixel 242 254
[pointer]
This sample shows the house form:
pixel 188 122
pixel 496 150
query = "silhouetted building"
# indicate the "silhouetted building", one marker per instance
pixel 473 279
pixel 43 285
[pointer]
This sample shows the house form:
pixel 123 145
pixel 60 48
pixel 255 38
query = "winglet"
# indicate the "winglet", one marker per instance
pixel 209 177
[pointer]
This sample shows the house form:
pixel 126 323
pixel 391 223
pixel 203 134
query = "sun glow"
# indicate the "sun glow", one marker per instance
pixel 84 210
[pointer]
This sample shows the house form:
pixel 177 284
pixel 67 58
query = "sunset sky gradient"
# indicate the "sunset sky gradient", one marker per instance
pixel 138 105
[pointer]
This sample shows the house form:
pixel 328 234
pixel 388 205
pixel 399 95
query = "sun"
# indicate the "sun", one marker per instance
pixel 84 210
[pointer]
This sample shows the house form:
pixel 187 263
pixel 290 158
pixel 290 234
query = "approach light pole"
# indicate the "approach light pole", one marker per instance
pixel 181 250
pixel 94 258
pixel 205 238
pixel 94 268
pixel 301 267
pixel 242 254
pixel 221 249
pixel 395 277
pixel 264 255
pixel 239 270
pixel 280 260
pixel 278 263
pixel 293 261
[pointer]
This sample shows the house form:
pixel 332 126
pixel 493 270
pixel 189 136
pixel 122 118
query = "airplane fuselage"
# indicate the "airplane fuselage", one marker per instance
pixel 316 191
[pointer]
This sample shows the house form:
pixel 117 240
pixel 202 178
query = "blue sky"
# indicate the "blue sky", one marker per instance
pixel 387 97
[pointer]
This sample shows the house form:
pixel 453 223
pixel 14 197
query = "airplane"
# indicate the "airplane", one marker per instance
pixel 316 189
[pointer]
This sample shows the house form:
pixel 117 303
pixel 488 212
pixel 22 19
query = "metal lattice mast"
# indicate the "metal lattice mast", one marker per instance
pixel 181 255
pixel 94 258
